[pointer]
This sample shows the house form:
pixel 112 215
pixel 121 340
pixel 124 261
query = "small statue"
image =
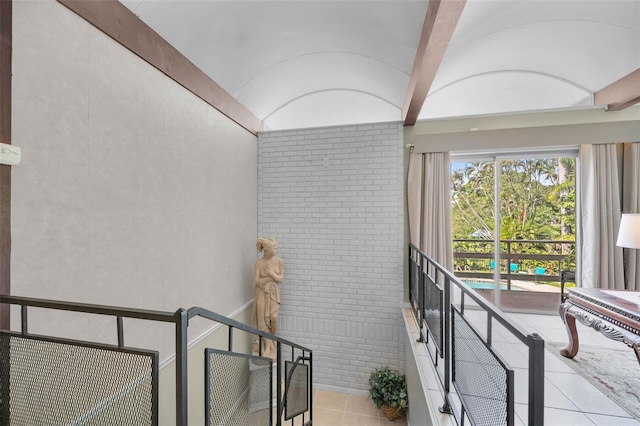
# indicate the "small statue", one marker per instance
pixel 268 274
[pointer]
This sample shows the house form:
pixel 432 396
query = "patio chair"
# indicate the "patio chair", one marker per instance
pixel 539 271
pixel 514 267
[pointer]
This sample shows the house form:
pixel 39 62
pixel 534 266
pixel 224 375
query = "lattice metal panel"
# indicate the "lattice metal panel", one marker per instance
pixel 46 381
pixel 297 389
pixel 414 276
pixel 482 379
pixel 433 311
pixel 238 389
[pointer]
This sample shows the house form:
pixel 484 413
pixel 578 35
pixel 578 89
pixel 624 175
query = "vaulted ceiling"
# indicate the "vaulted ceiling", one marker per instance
pixel 317 63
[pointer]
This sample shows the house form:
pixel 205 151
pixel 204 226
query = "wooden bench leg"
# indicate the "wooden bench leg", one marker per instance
pixel 570 323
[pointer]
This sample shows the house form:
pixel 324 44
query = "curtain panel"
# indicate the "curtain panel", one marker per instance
pixel 631 204
pixel 429 205
pixel 601 259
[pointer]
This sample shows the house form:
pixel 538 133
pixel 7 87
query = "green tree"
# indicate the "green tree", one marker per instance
pixel 525 212
pixel 472 201
pixel 537 202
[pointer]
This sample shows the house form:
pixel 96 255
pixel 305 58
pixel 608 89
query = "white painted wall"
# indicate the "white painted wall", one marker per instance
pixel 544 130
pixel 333 198
pixel 131 191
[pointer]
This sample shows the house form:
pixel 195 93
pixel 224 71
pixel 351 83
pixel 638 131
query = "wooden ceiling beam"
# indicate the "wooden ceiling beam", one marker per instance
pixel 620 94
pixel 119 23
pixel 439 24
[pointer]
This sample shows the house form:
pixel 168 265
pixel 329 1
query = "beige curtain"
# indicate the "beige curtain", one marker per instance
pixel 429 199
pixel 631 204
pixel 602 265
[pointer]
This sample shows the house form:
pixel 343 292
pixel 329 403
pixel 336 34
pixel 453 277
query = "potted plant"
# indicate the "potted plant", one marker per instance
pixel 389 392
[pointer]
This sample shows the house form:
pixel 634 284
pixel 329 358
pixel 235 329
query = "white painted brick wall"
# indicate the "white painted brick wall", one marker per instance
pixel 333 199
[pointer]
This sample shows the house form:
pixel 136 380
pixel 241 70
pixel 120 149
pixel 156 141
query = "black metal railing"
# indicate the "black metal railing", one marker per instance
pixel 96 384
pixel 88 388
pixel 523 260
pixel 100 381
pixel 466 357
pixel 286 377
pixel 566 277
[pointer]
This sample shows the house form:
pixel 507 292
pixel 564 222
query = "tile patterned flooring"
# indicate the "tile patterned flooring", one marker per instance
pixel 336 409
pixel 569 399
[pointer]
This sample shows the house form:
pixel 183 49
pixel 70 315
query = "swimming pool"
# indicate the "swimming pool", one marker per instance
pixel 488 285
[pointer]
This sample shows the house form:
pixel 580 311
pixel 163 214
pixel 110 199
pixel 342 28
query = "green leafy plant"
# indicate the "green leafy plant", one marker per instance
pixel 388 388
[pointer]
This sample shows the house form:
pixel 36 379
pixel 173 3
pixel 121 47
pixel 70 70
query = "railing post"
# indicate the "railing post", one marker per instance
pixel 421 272
pixel 446 406
pixel 536 380
pixel 24 320
pixel 181 367
pixel 311 387
pixel 508 268
pixel 279 407
pixel 410 257
pixel 120 327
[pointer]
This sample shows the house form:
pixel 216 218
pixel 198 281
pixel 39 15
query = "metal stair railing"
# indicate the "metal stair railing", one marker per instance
pixel 468 355
pixel 180 318
pixel 306 356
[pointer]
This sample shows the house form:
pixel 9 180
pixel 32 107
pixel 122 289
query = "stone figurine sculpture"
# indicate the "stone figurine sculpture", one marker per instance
pixel 268 274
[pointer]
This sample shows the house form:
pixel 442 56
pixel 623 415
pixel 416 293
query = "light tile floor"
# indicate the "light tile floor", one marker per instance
pixel 569 399
pixel 337 409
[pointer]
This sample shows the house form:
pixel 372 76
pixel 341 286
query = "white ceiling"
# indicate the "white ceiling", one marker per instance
pixel 317 63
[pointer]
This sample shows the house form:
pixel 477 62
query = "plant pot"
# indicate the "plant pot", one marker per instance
pixel 389 392
pixel 392 413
